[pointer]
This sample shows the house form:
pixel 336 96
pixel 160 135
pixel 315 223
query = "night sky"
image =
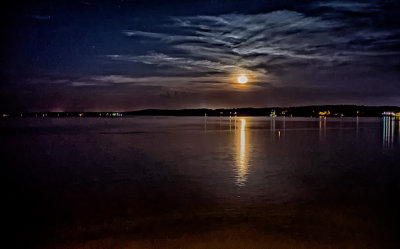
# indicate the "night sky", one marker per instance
pixel 129 55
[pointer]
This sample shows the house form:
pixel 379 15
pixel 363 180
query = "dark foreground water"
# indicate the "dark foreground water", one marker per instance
pixel 191 182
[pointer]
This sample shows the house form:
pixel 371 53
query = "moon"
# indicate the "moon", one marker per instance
pixel 242 79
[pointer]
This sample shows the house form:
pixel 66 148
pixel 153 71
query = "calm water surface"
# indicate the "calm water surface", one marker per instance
pixel 324 181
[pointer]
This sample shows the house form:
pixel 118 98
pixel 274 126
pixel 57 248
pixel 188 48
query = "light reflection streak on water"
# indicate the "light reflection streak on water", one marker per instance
pixel 388 132
pixel 357 126
pixel 322 128
pixel 242 154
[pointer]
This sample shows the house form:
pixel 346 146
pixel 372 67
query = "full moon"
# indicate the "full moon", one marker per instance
pixel 242 79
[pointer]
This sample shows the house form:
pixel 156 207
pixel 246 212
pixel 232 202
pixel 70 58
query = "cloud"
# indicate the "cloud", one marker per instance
pixel 143 34
pixel 260 43
pixel 172 83
pixel 183 63
pixel 86 2
pixel 42 18
pixel 353 6
pixel 85 83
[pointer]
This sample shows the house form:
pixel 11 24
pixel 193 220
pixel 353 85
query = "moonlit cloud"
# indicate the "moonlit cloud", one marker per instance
pixel 349 5
pixel 181 62
pixel 259 43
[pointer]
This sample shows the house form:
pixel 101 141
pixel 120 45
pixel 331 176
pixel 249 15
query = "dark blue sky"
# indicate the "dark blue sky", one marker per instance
pixel 127 55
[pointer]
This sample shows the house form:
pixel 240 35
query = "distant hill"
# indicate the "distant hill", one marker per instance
pixel 298 111
pixel 304 111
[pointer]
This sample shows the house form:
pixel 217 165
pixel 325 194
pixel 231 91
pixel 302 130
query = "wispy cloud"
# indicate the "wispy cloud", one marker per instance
pixel 353 6
pixel 259 43
pixel 178 83
pixel 204 83
pixel 181 62
pixel 42 18
pixel 143 34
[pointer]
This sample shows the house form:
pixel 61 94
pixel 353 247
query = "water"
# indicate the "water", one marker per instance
pixel 313 181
